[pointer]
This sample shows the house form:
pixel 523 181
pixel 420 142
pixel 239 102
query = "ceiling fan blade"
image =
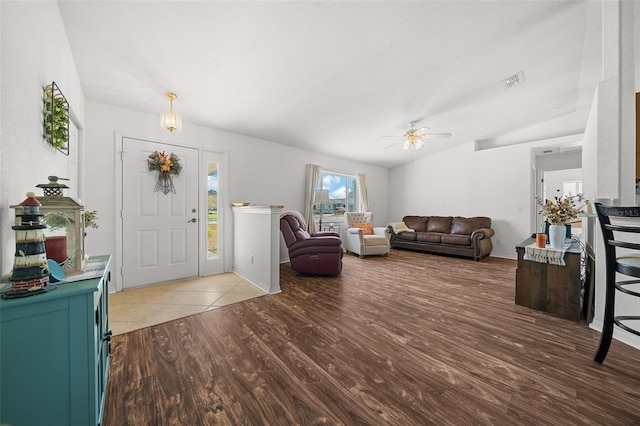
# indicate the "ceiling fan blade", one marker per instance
pixel 393 144
pixel 436 135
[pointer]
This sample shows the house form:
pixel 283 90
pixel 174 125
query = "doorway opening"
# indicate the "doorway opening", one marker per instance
pixel 558 171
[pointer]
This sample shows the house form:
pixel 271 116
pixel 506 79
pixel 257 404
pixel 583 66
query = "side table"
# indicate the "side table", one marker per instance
pixel 547 287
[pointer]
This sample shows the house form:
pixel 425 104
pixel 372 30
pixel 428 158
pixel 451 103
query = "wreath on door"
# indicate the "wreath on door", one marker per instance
pixel 166 166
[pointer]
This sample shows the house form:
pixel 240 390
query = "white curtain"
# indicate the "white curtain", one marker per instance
pixel 363 197
pixel 313 177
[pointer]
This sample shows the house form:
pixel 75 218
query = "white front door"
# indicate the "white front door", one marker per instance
pixel 159 231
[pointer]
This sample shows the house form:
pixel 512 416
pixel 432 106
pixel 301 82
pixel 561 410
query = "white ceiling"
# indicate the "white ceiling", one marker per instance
pixel 337 76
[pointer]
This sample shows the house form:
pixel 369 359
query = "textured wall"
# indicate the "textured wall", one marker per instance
pixel 35 51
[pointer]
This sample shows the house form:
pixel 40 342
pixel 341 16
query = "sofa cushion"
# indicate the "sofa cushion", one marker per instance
pixel 440 224
pixel 456 239
pixel 406 236
pixel 375 240
pixel 366 229
pixel 429 237
pixel 466 225
pixel 417 223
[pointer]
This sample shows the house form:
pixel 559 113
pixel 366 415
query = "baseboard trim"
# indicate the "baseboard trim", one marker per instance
pixel 618 334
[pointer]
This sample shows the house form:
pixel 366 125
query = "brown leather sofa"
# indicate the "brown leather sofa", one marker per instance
pixel 460 236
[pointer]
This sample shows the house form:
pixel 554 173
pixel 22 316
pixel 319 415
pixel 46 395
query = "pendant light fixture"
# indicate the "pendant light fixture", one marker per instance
pixel 171 120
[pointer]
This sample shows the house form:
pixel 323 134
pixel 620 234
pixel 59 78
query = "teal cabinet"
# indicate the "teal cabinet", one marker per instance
pixel 54 353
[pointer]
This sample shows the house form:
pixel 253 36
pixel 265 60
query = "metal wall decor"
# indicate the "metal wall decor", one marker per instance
pixel 56 118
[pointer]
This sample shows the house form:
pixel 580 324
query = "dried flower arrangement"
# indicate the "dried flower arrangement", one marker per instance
pixel 165 165
pixel 562 209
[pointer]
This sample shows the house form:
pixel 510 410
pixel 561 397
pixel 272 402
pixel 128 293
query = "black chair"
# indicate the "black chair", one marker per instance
pixel 627 263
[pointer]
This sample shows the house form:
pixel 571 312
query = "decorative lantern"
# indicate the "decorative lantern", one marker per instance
pixel 30 271
pixel 65 227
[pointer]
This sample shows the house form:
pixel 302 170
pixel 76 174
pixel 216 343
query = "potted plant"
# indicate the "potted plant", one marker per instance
pixel 90 220
pixel 558 212
pixel 56 118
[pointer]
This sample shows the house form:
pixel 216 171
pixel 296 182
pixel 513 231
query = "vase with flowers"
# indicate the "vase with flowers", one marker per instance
pixel 558 212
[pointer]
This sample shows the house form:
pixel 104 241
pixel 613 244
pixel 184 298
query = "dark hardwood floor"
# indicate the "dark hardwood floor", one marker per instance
pixel 408 339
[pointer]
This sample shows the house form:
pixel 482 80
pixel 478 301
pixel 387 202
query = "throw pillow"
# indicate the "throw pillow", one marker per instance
pixel 366 229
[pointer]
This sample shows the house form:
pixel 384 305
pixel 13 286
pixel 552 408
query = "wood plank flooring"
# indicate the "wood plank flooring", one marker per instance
pixel 408 339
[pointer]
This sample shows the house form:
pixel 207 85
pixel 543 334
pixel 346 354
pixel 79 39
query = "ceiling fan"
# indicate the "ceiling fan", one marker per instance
pixel 413 137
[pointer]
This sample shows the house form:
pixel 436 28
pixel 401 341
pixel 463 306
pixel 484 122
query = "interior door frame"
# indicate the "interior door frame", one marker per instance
pixel 117 212
pixel 549 159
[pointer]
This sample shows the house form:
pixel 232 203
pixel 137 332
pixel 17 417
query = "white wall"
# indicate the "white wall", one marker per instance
pixel 611 130
pixel 463 182
pixel 261 172
pixel 35 51
pixel 256 244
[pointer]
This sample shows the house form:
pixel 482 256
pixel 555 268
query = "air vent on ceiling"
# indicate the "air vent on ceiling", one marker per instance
pixel 514 80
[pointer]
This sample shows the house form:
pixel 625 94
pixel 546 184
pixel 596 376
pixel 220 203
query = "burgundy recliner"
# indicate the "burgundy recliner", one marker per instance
pixel 319 253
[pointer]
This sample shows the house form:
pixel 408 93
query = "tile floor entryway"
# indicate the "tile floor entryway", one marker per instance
pixel 142 307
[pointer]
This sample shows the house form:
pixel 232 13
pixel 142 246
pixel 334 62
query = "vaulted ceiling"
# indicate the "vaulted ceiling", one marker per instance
pixel 338 77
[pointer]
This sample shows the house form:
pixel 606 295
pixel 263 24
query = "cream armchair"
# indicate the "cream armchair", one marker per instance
pixel 362 238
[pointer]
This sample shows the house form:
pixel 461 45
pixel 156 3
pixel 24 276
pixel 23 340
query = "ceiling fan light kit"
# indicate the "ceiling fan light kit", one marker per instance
pixel 412 140
pixel 413 137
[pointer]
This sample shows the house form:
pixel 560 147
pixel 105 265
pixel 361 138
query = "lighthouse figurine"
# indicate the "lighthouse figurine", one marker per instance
pixel 30 270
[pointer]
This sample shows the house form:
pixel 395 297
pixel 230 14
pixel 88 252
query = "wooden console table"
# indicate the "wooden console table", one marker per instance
pixel 547 287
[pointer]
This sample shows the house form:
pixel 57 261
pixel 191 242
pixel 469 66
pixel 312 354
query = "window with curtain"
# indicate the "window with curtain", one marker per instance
pixel 342 197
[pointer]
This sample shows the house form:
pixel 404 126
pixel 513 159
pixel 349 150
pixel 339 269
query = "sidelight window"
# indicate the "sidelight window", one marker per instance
pixel 212 209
